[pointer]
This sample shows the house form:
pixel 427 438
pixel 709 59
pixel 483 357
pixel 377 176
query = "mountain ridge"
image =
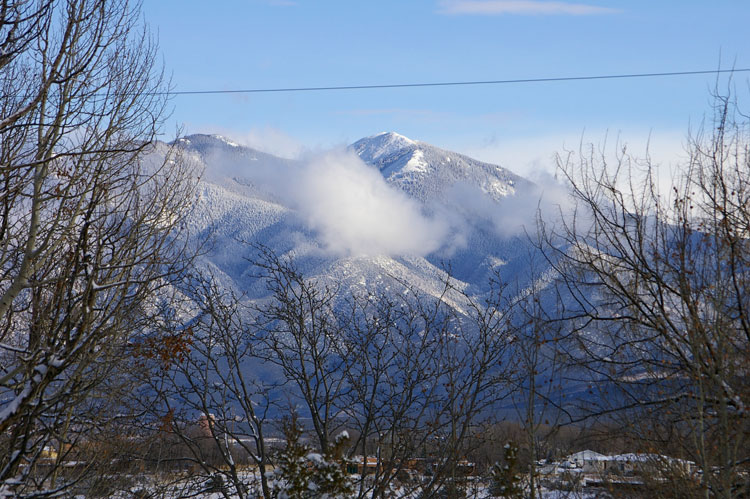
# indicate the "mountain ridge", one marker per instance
pixel 239 211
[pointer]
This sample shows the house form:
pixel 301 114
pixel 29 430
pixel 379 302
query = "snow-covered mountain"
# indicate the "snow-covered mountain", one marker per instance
pixel 425 171
pixel 248 197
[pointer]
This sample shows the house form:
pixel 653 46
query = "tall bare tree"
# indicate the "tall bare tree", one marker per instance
pixel 657 289
pixel 207 395
pixel 538 368
pixel 391 347
pixel 298 331
pixel 88 224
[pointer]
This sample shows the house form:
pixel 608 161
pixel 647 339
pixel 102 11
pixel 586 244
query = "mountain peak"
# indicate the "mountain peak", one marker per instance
pixel 393 137
pixel 426 172
pixel 383 145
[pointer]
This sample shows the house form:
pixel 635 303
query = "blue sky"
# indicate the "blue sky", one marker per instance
pixel 233 44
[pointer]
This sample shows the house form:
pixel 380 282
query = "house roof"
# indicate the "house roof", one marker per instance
pixel 586 455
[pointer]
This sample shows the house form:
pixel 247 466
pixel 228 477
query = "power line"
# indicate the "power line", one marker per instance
pixel 450 83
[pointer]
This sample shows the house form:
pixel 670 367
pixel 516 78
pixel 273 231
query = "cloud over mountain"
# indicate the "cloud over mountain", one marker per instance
pixel 357 213
pixel 348 204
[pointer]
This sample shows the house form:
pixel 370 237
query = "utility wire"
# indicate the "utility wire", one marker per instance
pixel 449 83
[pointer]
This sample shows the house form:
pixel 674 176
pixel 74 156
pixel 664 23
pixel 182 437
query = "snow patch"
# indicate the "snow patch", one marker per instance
pixel 416 164
pixel 498 188
pixel 226 140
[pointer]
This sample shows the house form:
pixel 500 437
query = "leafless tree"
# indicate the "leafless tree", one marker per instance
pixel 422 373
pixel 409 373
pixel 298 332
pixel 208 396
pixel 476 366
pixel 391 348
pixel 537 374
pixel 88 224
pixel 657 290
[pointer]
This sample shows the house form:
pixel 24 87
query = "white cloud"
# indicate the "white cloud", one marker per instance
pixel 356 212
pixel 534 159
pixel 522 7
pixel 535 155
pixel 348 204
pixel 513 215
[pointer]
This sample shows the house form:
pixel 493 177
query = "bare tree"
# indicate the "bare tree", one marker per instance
pixel 207 395
pixel 657 290
pixel 412 374
pixel 538 367
pixel 476 358
pixel 422 374
pixel 298 332
pixel 391 348
pixel 88 224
